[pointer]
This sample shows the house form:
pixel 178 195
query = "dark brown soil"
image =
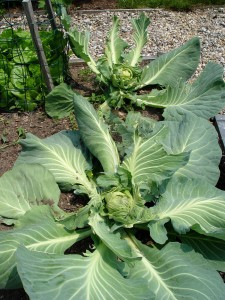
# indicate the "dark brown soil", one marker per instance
pixel 93 4
pixel 36 122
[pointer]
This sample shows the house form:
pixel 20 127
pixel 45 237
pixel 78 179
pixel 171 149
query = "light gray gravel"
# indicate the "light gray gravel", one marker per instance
pixel 168 29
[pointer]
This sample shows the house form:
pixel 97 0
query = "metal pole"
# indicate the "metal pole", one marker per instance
pixel 38 44
pixel 51 17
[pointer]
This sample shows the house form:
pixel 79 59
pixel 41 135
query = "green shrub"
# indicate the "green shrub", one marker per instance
pixel 21 83
pixel 170 4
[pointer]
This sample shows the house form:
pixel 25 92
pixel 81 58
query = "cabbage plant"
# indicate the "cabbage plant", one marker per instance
pixel 123 77
pixel 119 67
pixel 155 220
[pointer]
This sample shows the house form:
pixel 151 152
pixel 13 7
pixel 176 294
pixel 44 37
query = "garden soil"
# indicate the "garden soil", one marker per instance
pixel 93 4
pixel 13 126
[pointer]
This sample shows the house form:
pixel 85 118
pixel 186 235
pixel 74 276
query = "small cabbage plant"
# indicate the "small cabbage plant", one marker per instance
pixel 119 68
pixel 122 75
pixel 154 218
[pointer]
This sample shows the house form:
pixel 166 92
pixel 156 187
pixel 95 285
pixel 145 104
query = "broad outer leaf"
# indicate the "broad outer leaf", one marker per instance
pixel 140 26
pixel 189 133
pixel 205 97
pixel 150 162
pixel 112 240
pixel 65 18
pixel 73 277
pixel 95 134
pixel 26 186
pixel 114 45
pixel 43 212
pixel 190 202
pixel 211 247
pixel 79 44
pixel 59 102
pixel 62 154
pixel 175 272
pixel 134 122
pixel 45 236
pixel 172 66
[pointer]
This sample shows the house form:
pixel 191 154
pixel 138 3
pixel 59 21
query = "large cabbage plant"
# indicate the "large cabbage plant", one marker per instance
pixel 155 219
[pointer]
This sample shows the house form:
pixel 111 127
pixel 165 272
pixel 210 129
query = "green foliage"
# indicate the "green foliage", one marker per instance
pixel 21 83
pixel 157 183
pixel 4 137
pixel 2 9
pixel 56 3
pixel 85 73
pixel 169 4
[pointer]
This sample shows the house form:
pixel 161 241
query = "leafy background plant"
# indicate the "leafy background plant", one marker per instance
pixel 21 83
pixel 174 4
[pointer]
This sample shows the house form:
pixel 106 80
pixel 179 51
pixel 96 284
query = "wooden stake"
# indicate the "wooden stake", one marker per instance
pixel 51 17
pixel 28 8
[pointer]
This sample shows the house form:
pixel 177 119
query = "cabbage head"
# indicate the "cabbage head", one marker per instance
pixel 125 77
pixel 119 205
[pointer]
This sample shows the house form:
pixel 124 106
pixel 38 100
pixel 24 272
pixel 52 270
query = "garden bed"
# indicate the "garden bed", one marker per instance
pixel 14 125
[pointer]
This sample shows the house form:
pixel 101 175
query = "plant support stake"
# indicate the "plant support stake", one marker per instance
pixel 27 5
pixel 51 17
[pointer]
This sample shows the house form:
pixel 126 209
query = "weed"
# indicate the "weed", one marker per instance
pixel 73 122
pixel 85 73
pixel 5 141
pixel 3 137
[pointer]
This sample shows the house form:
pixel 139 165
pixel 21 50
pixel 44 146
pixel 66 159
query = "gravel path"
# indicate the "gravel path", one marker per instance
pixel 168 29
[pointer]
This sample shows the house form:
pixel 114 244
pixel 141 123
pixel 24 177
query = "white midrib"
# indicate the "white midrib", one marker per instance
pixel 10 206
pixel 91 63
pixel 181 209
pixel 51 241
pixel 130 163
pixel 112 43
pixel 156 276
pixel 137 51
pixel 109 143
pixel 186 100
pixel 162 69
pixel 96 257
pixel 150 269
pixel 82 177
